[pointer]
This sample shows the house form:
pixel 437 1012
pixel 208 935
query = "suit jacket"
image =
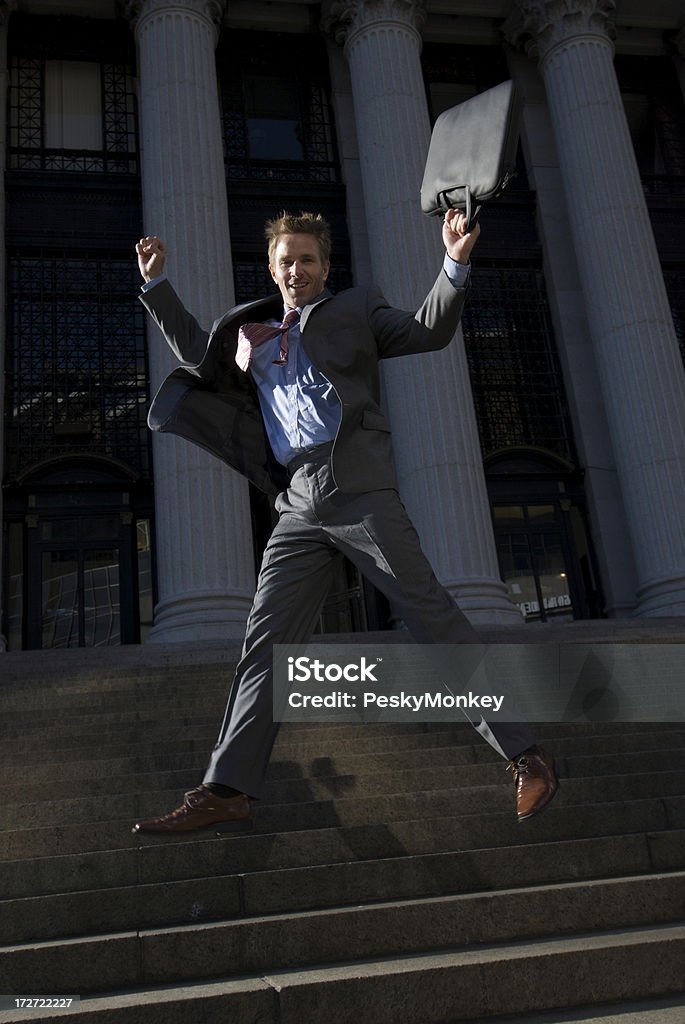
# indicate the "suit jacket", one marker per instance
pixel 210 401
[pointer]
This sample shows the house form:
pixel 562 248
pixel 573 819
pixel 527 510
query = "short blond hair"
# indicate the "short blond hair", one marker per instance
pixel 303 224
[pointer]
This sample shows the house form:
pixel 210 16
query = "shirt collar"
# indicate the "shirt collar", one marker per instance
pixel 301 309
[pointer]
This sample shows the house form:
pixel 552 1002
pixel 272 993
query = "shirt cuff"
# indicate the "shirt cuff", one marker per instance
pixel 150 284
pixel 458 273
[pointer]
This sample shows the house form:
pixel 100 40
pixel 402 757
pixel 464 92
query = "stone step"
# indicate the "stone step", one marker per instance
pixel 442 792
pixel 365 775
pixel 97 685
pixel 17 727
pixel 155 717
pixel 75 701
pixel 101 663
pixel 646 1011
pixel 93 670
pixel 98 666
pixel 297 940
pixel 108 726
pixel 386 872
pixel 332 855
pixel 62 795
pixel 650 738
pixel 518 977
pixel 304 737
pixel 138 734
pixel 139 726
pixel 561 820
pixel 125 905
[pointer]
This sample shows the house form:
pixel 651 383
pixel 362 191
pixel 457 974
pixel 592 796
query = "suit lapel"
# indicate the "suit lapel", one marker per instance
pixel 308 310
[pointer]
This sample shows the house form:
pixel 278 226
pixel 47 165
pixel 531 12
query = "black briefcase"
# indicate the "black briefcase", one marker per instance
pixel 472 153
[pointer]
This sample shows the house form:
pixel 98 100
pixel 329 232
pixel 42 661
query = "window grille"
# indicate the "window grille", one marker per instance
pixel 76 361
pixel 252 278
pixel 27 148
pixel 275 128
pixel 515 373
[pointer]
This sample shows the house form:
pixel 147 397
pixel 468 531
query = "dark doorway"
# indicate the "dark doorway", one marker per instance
pixel 78 559
pixel 543 542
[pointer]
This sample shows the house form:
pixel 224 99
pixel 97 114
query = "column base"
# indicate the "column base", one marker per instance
pixel 198 617
pixel 484 600
pixel 620 610
pixel 663 598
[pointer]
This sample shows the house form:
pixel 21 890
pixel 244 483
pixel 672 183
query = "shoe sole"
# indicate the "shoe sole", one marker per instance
pixel 219 828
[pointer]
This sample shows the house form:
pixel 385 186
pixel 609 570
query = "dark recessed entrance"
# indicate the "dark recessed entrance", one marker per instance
pixel 78 558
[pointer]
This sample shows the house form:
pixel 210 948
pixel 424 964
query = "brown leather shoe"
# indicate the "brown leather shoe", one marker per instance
pixel 203 809
pixel 535 780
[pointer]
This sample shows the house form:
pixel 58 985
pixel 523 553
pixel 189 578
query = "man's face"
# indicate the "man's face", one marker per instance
pixel 298 269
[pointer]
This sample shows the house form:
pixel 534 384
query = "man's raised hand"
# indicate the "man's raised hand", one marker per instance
pixel 151 256
pixel 457 240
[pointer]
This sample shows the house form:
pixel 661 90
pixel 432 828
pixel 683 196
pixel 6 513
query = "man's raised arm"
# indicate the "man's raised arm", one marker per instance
pixel 184 335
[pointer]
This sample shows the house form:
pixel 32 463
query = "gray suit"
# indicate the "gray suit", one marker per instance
pixel 344 501
pixel 213 403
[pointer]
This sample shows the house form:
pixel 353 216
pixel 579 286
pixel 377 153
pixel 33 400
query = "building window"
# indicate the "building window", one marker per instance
pixel 515 373
pixel 73 105
pixel 76 361
pixel 71 115
pixel 277 128
pixel 273 132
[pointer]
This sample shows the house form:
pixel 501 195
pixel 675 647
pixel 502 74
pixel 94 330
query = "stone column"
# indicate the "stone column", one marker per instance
pixel 203 533
pixel 437 450
pixel 567 306
pixel 6 6
pixel 629 317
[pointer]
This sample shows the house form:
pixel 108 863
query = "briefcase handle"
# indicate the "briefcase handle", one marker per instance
pixel 467 207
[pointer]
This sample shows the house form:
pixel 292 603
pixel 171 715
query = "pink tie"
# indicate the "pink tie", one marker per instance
pixel 250 336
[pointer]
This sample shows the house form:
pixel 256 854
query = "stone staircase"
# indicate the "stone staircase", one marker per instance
pixel 386 881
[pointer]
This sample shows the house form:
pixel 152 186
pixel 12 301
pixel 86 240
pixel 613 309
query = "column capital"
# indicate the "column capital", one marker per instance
pixel 540 26
pixel 6 8
pixel 345 19
pixel 211 10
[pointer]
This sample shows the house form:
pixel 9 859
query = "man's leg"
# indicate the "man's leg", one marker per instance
pixel 375 532
pixel 292 587
pixel 386 548
pixel 293 582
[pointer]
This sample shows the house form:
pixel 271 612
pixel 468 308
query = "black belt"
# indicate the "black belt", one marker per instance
pixel 315 454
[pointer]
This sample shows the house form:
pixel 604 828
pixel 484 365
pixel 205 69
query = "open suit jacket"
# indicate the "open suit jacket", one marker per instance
pixel 210 401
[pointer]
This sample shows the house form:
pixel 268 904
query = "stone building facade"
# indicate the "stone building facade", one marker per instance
pixel 541 455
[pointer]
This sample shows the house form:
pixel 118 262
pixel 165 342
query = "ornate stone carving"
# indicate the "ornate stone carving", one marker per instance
pixel 344 18
pixel 214 10
pixel 538 26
